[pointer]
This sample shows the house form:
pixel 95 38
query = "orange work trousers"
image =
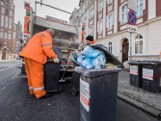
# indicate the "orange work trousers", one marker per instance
pixel 35 74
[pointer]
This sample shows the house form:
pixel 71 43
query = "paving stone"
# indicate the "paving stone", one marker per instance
pixel 124 87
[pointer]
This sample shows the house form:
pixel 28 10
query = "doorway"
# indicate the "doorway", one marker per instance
pixel 4 54
pixel 125 50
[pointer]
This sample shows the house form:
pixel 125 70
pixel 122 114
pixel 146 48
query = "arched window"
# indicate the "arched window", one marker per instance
pixel 124 14
pixel 139 44
pixel 110 46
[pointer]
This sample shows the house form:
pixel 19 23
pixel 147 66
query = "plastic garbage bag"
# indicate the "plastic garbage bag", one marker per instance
pixel 91 58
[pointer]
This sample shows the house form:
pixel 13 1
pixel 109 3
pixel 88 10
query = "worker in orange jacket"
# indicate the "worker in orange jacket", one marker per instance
pixel 90 40
pixel 35 54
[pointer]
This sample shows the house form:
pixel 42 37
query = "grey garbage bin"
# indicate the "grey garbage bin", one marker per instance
pixel 98 94
pixel 135 73
pixel 98 89
pixel 151 74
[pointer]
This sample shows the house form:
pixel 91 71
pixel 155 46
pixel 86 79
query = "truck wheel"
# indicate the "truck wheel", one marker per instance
pixel 159 116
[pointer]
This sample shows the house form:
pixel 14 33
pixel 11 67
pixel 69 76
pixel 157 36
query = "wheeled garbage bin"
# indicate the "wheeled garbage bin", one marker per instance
pixel 98 89
pixel 110 59
pixel 98 94
pixel 52 76
pixel 135 73
pixel 151 74
pixel 23 69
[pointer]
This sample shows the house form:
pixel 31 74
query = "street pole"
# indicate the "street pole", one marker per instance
pixel 131 45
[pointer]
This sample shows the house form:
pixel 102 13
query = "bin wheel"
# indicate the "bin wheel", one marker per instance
pixel 60 89
pixel 73 91
pixel 159 116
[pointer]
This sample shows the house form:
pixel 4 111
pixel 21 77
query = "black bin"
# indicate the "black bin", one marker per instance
pixel 98 94
pixel 135 73
pixel 23 69
pixel 151 72
pixel 52 76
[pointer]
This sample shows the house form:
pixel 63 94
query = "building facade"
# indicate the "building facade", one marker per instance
pixel 107 21
pixel 6 29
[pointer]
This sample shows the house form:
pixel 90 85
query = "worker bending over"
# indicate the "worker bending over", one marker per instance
pixel 35 54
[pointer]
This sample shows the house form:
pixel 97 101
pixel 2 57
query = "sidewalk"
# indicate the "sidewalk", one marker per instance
pixel 146 101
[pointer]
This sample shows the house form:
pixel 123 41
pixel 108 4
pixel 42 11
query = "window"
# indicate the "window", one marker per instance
pixel 1 3
pixel 110 1
pixel 2 10
pixel 6 10
pixel 100 9
pixel 124 14
pixel 100 5
pixel 11 12
pixel 2 20
pixel 139 44
pixel 12 6
pixel 5 35
pixel 91 30
pixel 10 23
pixel 110 22
pixel 6 22
pixel 110 46
pixel 1 34
pixel 83 9
pixel 139 8
pixel 100 27
pixel 91 14
pixel 9 36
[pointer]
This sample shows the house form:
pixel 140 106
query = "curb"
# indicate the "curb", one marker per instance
pixel 4 61
pixel 142 106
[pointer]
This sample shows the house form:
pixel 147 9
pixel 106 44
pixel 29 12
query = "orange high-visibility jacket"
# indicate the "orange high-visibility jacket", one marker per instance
pixel 38 48
pixel 94 41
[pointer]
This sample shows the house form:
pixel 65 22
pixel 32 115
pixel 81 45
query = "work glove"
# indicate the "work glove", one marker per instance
pixel 56 60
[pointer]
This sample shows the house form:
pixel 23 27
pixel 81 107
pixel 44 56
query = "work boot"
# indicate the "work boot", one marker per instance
pixel 48 94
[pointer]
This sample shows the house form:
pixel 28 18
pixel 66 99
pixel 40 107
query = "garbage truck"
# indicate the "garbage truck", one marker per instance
pixel 65 38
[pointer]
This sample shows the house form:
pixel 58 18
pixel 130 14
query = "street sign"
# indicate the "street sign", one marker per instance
pixel 132 19
pixel 132 5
